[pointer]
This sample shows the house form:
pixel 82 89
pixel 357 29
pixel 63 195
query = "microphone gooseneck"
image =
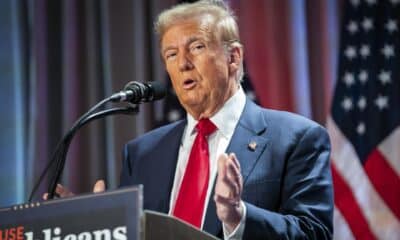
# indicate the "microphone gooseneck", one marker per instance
pixel 134 92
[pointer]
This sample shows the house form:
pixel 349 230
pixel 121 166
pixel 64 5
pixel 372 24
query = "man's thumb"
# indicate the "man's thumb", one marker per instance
pixel 99 186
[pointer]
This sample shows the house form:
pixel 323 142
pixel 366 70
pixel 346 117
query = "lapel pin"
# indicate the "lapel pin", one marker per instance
pixel 252 146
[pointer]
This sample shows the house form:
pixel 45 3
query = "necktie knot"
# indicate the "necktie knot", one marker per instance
pixel 205 127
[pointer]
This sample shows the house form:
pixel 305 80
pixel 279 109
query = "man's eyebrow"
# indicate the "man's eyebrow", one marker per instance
pixel 193 39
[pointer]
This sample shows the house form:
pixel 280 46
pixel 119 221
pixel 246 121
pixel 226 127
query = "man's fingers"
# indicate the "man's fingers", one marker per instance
pixel 223 173
pixel 232 189
pixel 225 162
pixel 234 177
pixel 99 186
pixel 221 164
pixel 229 202
pixel 63 191
pixel 228 191
pixel 233 158
pixel 229 177
pixel 234 174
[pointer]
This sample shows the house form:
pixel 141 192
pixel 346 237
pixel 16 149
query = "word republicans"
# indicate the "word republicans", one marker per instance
pixel 18 233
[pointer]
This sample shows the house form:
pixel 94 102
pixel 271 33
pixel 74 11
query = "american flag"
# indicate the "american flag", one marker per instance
pixel 365 123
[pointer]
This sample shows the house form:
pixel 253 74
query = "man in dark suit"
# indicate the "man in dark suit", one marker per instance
pixel 276 181
pixel 253 173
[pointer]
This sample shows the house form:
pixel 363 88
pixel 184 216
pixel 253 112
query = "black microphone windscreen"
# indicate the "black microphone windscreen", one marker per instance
pixel 145 92
pixel 159 90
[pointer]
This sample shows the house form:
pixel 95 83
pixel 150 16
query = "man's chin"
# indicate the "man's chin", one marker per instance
pixel 190 101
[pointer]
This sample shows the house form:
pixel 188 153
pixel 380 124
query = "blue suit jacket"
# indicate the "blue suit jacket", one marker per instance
pixel 287 180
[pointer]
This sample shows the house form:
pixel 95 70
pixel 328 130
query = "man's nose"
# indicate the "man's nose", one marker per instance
pixel 185 64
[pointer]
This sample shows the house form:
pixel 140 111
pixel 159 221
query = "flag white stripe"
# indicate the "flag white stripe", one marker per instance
pixel 381 220
pixel 341 229
pixel 390 148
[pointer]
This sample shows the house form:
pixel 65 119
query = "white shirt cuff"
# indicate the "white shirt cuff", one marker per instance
pixel 237 233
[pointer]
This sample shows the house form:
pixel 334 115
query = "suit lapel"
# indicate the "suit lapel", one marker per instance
pixel 248 142
pixel 161 185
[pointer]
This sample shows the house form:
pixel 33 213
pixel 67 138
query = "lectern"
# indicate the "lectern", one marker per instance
pixel 116 215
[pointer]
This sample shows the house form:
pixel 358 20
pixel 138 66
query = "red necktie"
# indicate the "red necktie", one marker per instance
pixel 189 204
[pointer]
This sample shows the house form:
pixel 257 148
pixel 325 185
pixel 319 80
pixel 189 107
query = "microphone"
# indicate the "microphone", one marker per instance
pixel 134 92
pixel 137 92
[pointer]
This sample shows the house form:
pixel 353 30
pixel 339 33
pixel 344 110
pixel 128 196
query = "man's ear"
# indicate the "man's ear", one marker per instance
pixel 235 58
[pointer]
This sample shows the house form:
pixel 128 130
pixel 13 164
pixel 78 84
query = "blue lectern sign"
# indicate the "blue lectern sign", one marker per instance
pixel 103 216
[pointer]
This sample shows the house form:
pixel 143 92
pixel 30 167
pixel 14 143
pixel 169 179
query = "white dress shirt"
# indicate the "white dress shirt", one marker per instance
pixel 225 120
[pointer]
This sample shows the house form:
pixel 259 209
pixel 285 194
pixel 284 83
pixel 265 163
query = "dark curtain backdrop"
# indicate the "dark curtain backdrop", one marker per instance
pixel 59 58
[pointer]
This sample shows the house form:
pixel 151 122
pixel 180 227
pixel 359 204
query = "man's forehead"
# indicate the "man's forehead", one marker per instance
pixel 186 31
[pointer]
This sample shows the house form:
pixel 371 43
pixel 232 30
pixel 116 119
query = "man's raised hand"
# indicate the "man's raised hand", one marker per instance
pixel 228 191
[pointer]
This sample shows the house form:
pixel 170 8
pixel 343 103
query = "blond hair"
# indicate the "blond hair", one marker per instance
pixel 220 19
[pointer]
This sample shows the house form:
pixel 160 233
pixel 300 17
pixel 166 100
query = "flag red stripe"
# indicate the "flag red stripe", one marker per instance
pixel 384 179
pixel 347 204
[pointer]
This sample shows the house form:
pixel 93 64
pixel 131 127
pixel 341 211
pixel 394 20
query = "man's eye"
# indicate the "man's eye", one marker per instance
pixel 197 48
pixel 170 56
